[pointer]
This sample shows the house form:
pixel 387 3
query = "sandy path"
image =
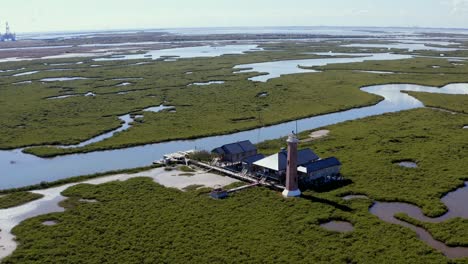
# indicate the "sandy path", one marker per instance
pixel 316 135
pixel 11 217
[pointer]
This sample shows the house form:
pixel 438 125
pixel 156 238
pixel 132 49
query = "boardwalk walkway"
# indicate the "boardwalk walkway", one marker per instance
pixel 238 176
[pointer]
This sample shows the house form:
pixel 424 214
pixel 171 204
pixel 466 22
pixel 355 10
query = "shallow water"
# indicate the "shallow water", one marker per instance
pixel 125 119
pixel 338 226
pixel 457 207
pixel 378 72
pixel 206 83
pixel 187 52
pixel 11 217
pixel 25 82
pixel 50 223
pixel 408 164
pixel 354 197
pixel 156 109
pixel 27 169
pixel 277 68
pixel 63 79
pixel 25 73
pixel 124 84
pixel 63 96
pixel 406 46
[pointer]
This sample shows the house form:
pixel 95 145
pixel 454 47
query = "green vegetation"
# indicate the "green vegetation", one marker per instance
pixel 185 169
pixel 46 185
pixel 202 155
pixel 451 102
pixel 258 225
pixel 193 187
pixel 166 225
pixel 369 147
pixel 186 174
pixel 453 232
pixel 17 199
pixel 30 120
pixel 416 65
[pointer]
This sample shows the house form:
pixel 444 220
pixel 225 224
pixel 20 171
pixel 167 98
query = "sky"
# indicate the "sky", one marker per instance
pixel 77 15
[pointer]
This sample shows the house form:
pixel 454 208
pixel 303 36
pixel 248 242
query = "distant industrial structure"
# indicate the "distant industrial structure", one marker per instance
pixel 8 36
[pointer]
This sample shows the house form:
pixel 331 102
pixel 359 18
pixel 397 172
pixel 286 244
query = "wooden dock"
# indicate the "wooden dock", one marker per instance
pixel 239 176
pixel 243 187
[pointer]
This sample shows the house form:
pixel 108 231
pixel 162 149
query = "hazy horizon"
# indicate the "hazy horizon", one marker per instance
pixel 87 15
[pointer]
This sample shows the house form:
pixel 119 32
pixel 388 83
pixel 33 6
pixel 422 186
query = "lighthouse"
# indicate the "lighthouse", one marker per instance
pixel 292 185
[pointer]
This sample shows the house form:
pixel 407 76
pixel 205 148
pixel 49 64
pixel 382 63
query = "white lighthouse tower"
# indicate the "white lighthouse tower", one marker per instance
pixel 292 184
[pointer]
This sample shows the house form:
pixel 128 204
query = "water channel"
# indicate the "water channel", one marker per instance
pixel 19 169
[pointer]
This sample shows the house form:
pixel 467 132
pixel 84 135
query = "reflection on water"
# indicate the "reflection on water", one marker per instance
pixel 188 52
pixel 63 79
pixel 156 109
pixel 338 226
pixel 205 83
pixel 25 73
pixel 457 207
pixel 407 46
pixel 28 169
pixel 125 119
pixel 277 68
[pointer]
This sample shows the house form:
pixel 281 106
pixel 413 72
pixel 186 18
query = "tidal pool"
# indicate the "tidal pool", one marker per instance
pixel 378 72
pixel 63 79
pixel 206 83
pixel 408 164
pixel 338 226
pixel 123 84
pixel 18 169
pixel 25 82
pixel 156 109
pixel 25 73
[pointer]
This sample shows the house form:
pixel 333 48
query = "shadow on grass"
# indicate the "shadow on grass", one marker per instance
pixel 327 187
pixel 327 202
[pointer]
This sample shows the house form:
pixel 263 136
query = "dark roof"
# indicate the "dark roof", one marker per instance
pixel 252 159
pixel 304 156
pixel 235 148
pixel 218 150
pixel 322 164
pixel 247 146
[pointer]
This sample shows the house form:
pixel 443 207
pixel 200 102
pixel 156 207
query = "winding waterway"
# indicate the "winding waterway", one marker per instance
pixel 457 207
pixel 19 169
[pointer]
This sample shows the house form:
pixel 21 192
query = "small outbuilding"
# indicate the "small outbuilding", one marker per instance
pixel 235 152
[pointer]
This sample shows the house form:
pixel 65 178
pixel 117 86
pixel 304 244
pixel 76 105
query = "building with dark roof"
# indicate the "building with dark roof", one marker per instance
pixel 275 165
pixel 247 163
pixel 320 169
pixel 235 152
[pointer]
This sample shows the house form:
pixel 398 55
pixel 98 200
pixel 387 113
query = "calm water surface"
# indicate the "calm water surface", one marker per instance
pixel 19 169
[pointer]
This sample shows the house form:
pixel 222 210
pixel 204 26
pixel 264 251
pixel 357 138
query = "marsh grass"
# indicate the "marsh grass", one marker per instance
pixel 17 199
pixel 166 225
